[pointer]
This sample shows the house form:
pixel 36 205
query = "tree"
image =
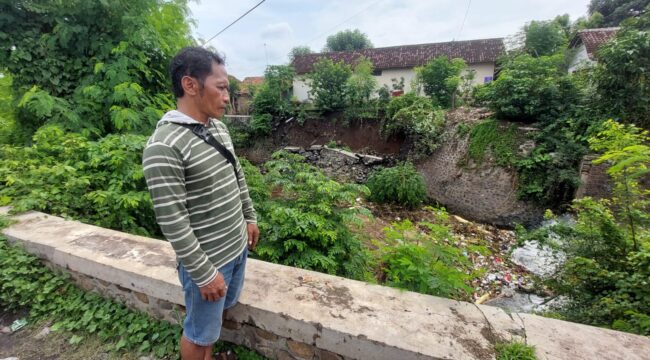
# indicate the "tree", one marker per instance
pixel 347 40
pixel 298 51
pixel 546 37
pixel 272 99
pixel 622 76
pixel 440 78
pixel 360 86
pixel 531 89
pixel 94 65
pixel 625 149
pixel 615 11
pixel 233 91
pixel 328 82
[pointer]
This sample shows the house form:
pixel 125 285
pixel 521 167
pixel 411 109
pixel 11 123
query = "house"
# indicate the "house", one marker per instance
pixel 245 95
pixel 398 62
pixel 586 43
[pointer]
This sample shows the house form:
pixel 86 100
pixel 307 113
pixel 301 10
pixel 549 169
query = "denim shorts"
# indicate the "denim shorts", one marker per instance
pixel 203 319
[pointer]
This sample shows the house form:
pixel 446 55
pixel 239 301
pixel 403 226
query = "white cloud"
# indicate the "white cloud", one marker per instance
pixel 272 29
pixel 278 30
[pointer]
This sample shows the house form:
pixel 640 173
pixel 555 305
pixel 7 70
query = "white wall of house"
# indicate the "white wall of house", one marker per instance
pixel 580 60
pixel 388 74
pixel 483 71
pixel 300 88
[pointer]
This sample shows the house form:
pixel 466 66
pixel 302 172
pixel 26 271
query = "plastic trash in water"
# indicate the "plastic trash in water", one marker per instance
pixel 18 324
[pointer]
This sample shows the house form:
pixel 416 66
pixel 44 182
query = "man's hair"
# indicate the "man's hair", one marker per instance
pixel 192 61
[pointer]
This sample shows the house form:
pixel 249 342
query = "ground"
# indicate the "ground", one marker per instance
pixel 36 341
pixel 500 274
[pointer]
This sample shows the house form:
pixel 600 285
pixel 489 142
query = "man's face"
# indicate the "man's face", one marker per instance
pixel 213 97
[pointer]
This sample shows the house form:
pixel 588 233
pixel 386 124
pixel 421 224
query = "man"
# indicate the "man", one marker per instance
pixel 201 202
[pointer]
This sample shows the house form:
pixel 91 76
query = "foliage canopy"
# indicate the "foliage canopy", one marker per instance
pixel 440 78
pixel 94 65
pixel 347 40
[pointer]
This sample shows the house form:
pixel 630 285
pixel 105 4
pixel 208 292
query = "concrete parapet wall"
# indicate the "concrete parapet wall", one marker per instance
pixel 289 313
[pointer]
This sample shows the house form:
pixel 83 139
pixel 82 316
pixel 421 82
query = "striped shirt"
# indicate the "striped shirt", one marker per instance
pixel 198 205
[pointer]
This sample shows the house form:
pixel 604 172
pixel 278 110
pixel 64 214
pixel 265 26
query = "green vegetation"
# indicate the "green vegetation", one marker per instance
pixel 272 99
pixel 360 86
pixel 415 117
pixel 328 83
pixel 419 258
pixel 400 184
pixel 347 40
pixel 613 12
pixel 307 224
pixel 99 182
pixel 7 114
pixel 98 67
pixel 622 76
pixel 531 89
pixel 298 51
pixel 608 249
pixel 501 143
pixel 440 79
pixel 515 351
pixel 544 38
pixel 26 283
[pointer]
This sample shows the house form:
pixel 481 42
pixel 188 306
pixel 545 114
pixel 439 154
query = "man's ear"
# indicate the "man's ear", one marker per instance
pixel 190 85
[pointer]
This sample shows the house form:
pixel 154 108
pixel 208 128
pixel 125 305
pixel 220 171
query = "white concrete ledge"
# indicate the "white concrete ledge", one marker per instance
pixel 308 315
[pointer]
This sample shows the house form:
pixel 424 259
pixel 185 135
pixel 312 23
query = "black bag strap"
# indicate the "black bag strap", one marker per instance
pixel 203 133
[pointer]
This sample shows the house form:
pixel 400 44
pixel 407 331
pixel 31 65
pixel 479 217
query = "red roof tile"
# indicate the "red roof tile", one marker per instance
pixel 593 38
pixel 408 56
pixel 248 82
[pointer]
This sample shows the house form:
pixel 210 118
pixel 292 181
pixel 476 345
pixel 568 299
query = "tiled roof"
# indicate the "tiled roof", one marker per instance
pixel 248 82
pixel 408 56
pixel 593 38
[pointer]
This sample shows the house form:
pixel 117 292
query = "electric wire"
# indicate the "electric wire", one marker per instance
pixel 464 18
pixel 232 23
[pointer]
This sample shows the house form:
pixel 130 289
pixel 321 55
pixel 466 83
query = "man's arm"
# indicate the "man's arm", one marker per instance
pixel 165 176
pixel 250 215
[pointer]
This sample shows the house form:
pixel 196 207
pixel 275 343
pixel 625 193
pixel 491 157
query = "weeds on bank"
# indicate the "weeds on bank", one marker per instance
pixel 26 283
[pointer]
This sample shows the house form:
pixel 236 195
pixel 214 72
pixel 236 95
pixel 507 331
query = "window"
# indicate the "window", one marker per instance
pixel 487 79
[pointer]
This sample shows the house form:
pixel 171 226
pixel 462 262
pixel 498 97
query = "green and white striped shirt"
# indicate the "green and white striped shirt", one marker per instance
pixel 198 205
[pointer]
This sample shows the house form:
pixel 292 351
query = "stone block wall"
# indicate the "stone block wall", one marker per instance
pixel 482 192
pixel 158 308
pixel 594 180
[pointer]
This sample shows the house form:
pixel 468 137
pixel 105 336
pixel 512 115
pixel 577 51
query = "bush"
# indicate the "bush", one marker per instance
pixel 25 282
pixel 273 97
pixel 417 258
pixel 104 72
pixel 418 120
pixel 488 135
pixel 67 175
pixel 328 82
pixel 360 86
pixel 440 78
pixel 306 223
pixel 401 184
pixel 622 77
pixel 515 351
pixel 531 89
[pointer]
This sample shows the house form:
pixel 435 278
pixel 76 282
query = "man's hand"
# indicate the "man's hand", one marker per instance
pixel 215 289
pixel 253 236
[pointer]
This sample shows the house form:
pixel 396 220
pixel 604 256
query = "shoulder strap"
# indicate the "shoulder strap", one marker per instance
pixel 203 133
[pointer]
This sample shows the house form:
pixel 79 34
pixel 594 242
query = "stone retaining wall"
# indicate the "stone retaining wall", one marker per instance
pixel 289 313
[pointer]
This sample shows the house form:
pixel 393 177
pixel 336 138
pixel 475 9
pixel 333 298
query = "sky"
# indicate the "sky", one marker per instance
pixel 267 34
